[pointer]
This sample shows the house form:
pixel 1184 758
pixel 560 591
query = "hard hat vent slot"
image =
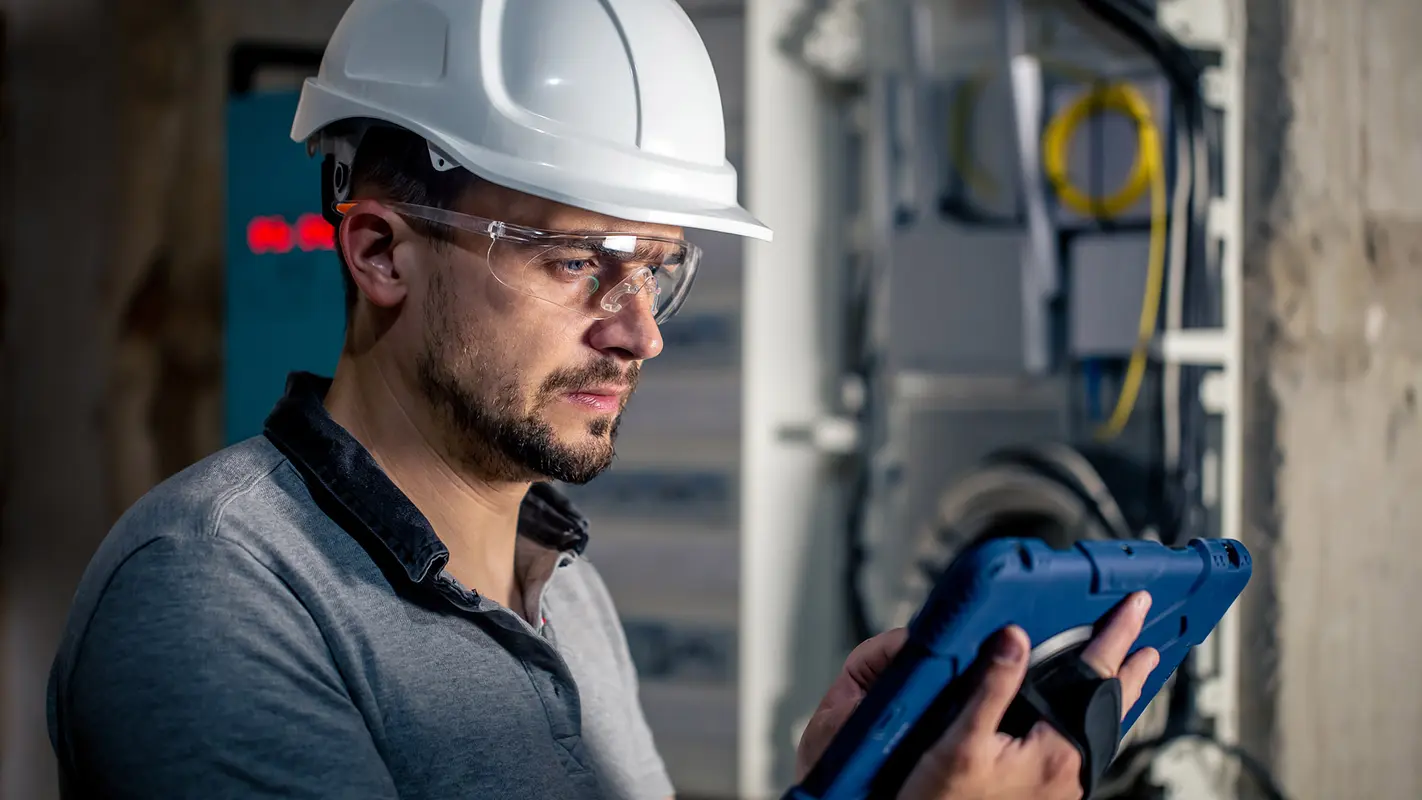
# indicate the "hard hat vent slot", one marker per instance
pixel 405 44
pixel 577 75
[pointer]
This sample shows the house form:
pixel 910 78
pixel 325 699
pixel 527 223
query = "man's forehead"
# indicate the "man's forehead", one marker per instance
pixel 521 208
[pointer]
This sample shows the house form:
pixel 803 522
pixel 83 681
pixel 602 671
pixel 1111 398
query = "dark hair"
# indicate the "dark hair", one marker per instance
pixel 394 164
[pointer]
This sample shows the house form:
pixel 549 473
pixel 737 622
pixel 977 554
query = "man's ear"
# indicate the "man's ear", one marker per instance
pixel 369 233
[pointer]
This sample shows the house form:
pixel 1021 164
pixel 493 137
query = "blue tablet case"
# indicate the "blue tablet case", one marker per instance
pixel 1049 593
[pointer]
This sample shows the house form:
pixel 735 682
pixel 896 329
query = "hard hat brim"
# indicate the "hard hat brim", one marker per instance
pixel 664 210
pixel 321 106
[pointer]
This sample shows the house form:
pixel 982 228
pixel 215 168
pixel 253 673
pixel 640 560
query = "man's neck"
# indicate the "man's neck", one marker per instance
pixel 475 518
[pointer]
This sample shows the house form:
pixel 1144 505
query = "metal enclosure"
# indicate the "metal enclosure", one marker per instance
pixel 975 345
pixel 960 377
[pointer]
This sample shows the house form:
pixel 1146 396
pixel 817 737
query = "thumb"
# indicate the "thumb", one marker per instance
pixel 1003 666
pixel 971 742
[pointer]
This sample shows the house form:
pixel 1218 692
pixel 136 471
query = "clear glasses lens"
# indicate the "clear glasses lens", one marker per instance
pixel 598 276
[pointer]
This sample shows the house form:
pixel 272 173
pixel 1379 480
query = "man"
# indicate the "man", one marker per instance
pixel 382 596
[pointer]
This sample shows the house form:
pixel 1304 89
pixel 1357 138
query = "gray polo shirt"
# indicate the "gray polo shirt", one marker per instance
pixel 275 621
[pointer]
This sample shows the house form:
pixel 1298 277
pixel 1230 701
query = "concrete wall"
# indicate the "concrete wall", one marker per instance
pixel 1334 291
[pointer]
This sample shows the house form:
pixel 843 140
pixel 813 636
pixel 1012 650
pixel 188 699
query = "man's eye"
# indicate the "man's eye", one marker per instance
pixel 575 266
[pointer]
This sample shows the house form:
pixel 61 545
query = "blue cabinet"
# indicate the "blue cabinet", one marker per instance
pixel 285 307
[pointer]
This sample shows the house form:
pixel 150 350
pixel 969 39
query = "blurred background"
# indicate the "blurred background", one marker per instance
pixel 979 205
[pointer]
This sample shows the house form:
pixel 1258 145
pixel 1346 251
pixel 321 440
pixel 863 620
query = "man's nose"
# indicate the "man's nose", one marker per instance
pixel 631 333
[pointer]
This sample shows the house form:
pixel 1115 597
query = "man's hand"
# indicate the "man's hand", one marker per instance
pixel 972 761
pixel 860 670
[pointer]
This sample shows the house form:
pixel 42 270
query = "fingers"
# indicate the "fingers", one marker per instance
pixel 1109 647
pixel 872 657
pixel 864 665
pixel 964 760
pixel 1133 675
pixel 1059 758
pixel 973 759
pixel 861 669
pixel 1002 676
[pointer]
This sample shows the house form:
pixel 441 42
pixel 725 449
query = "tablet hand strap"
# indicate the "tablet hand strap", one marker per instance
pixel 1073 698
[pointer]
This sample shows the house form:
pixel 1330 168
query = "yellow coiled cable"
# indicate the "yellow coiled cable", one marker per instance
pixel 964 105
pixel 1147 173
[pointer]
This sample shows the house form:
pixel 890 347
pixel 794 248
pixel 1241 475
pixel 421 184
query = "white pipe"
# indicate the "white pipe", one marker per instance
pixel 782 364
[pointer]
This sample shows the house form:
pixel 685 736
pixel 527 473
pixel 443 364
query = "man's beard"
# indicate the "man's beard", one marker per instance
pixel 500 441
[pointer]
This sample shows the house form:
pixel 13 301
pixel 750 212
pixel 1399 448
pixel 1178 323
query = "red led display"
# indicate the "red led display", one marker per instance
pixel 315 233
pixel 269 235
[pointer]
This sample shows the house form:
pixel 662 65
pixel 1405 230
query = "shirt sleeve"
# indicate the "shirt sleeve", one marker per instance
pixel 200 674
pixel 615 726
pixel 652 782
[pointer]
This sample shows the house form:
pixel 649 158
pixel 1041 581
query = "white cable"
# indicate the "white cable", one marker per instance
pixel 1185 179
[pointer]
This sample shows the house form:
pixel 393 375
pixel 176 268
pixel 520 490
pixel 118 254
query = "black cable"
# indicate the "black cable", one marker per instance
pixel 1183 71
pixel 863 363
pixel 1257 771
pixel 860 623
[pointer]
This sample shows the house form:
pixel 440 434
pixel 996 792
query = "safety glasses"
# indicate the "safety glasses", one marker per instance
pixel 595 274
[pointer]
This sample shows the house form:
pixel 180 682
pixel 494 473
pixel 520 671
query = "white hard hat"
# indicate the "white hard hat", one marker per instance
pixel 606 105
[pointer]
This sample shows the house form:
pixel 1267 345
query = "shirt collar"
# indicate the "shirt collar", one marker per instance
pixel 366 503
